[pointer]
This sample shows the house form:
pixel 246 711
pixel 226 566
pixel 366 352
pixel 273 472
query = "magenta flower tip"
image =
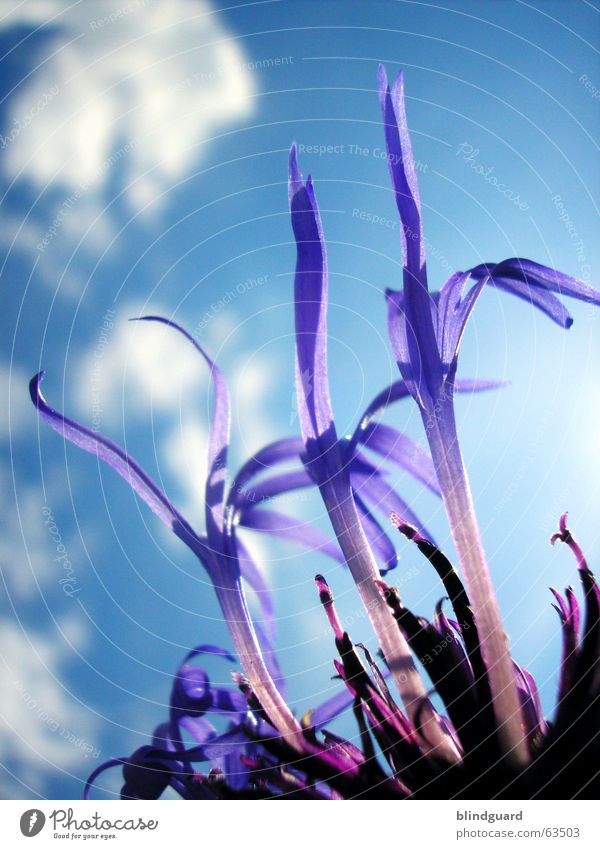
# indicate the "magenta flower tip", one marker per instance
pixel 564 535
pixel 326 599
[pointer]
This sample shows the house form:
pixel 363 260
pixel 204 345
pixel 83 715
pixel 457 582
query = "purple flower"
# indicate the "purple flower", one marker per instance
pixel 217 550
pixel 493 740
pixel 425 331
pixel 324 455
pixel 224 557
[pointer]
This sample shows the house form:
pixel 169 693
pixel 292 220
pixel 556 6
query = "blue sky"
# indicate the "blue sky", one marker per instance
pixel 144 158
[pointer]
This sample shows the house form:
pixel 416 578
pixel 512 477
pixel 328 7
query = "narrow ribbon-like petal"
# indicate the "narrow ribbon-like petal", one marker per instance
pixel 312 384
pixel 274 453
pixel 536 283
pixel 412 326
pixel 402 451
pixel 218 441
pixel 118 459
pixel 291 529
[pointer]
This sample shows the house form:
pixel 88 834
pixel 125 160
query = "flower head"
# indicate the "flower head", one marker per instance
pixel 250 759
pixel 426 330
pixel 492 740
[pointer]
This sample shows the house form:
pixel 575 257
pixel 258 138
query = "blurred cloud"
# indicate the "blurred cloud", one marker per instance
pixel 140 374
pixel 129 88
pixel 16 416
pixel 135 369
pixel 44 729
pixel 25 552
pixel 185 453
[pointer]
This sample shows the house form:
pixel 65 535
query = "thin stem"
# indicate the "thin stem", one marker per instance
pixel 363 567
pixel 237 616
pixel 440 428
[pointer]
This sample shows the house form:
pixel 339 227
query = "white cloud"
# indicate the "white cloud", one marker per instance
pixel 252 384
pixel 16 412
pixel 114 109
pixel 44 729
pixel 25 549
pixel 184 450
pixel 146 374
pixel 128 86
pixel 138 368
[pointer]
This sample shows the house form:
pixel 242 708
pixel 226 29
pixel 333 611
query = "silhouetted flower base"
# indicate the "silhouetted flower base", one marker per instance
pixel 251 760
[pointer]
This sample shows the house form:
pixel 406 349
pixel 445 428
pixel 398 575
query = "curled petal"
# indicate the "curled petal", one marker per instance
pixel 273 454
pixel 218 442
pixel 538 284
pixel 454 312
pixel 98 771
pixel 115 457
pixel 147 775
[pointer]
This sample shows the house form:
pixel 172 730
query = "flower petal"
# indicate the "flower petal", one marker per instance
pixel 402 169
pixel 265 490
pixel 536 283
pixel 291 529
pixel 410 319
pixel 396 392
pixel 399 449
pixel 312 384
pixel 369 483
pixel 269 456
pixel 379 541
pixel 218 442
pixel 256 581
pixel 118 459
